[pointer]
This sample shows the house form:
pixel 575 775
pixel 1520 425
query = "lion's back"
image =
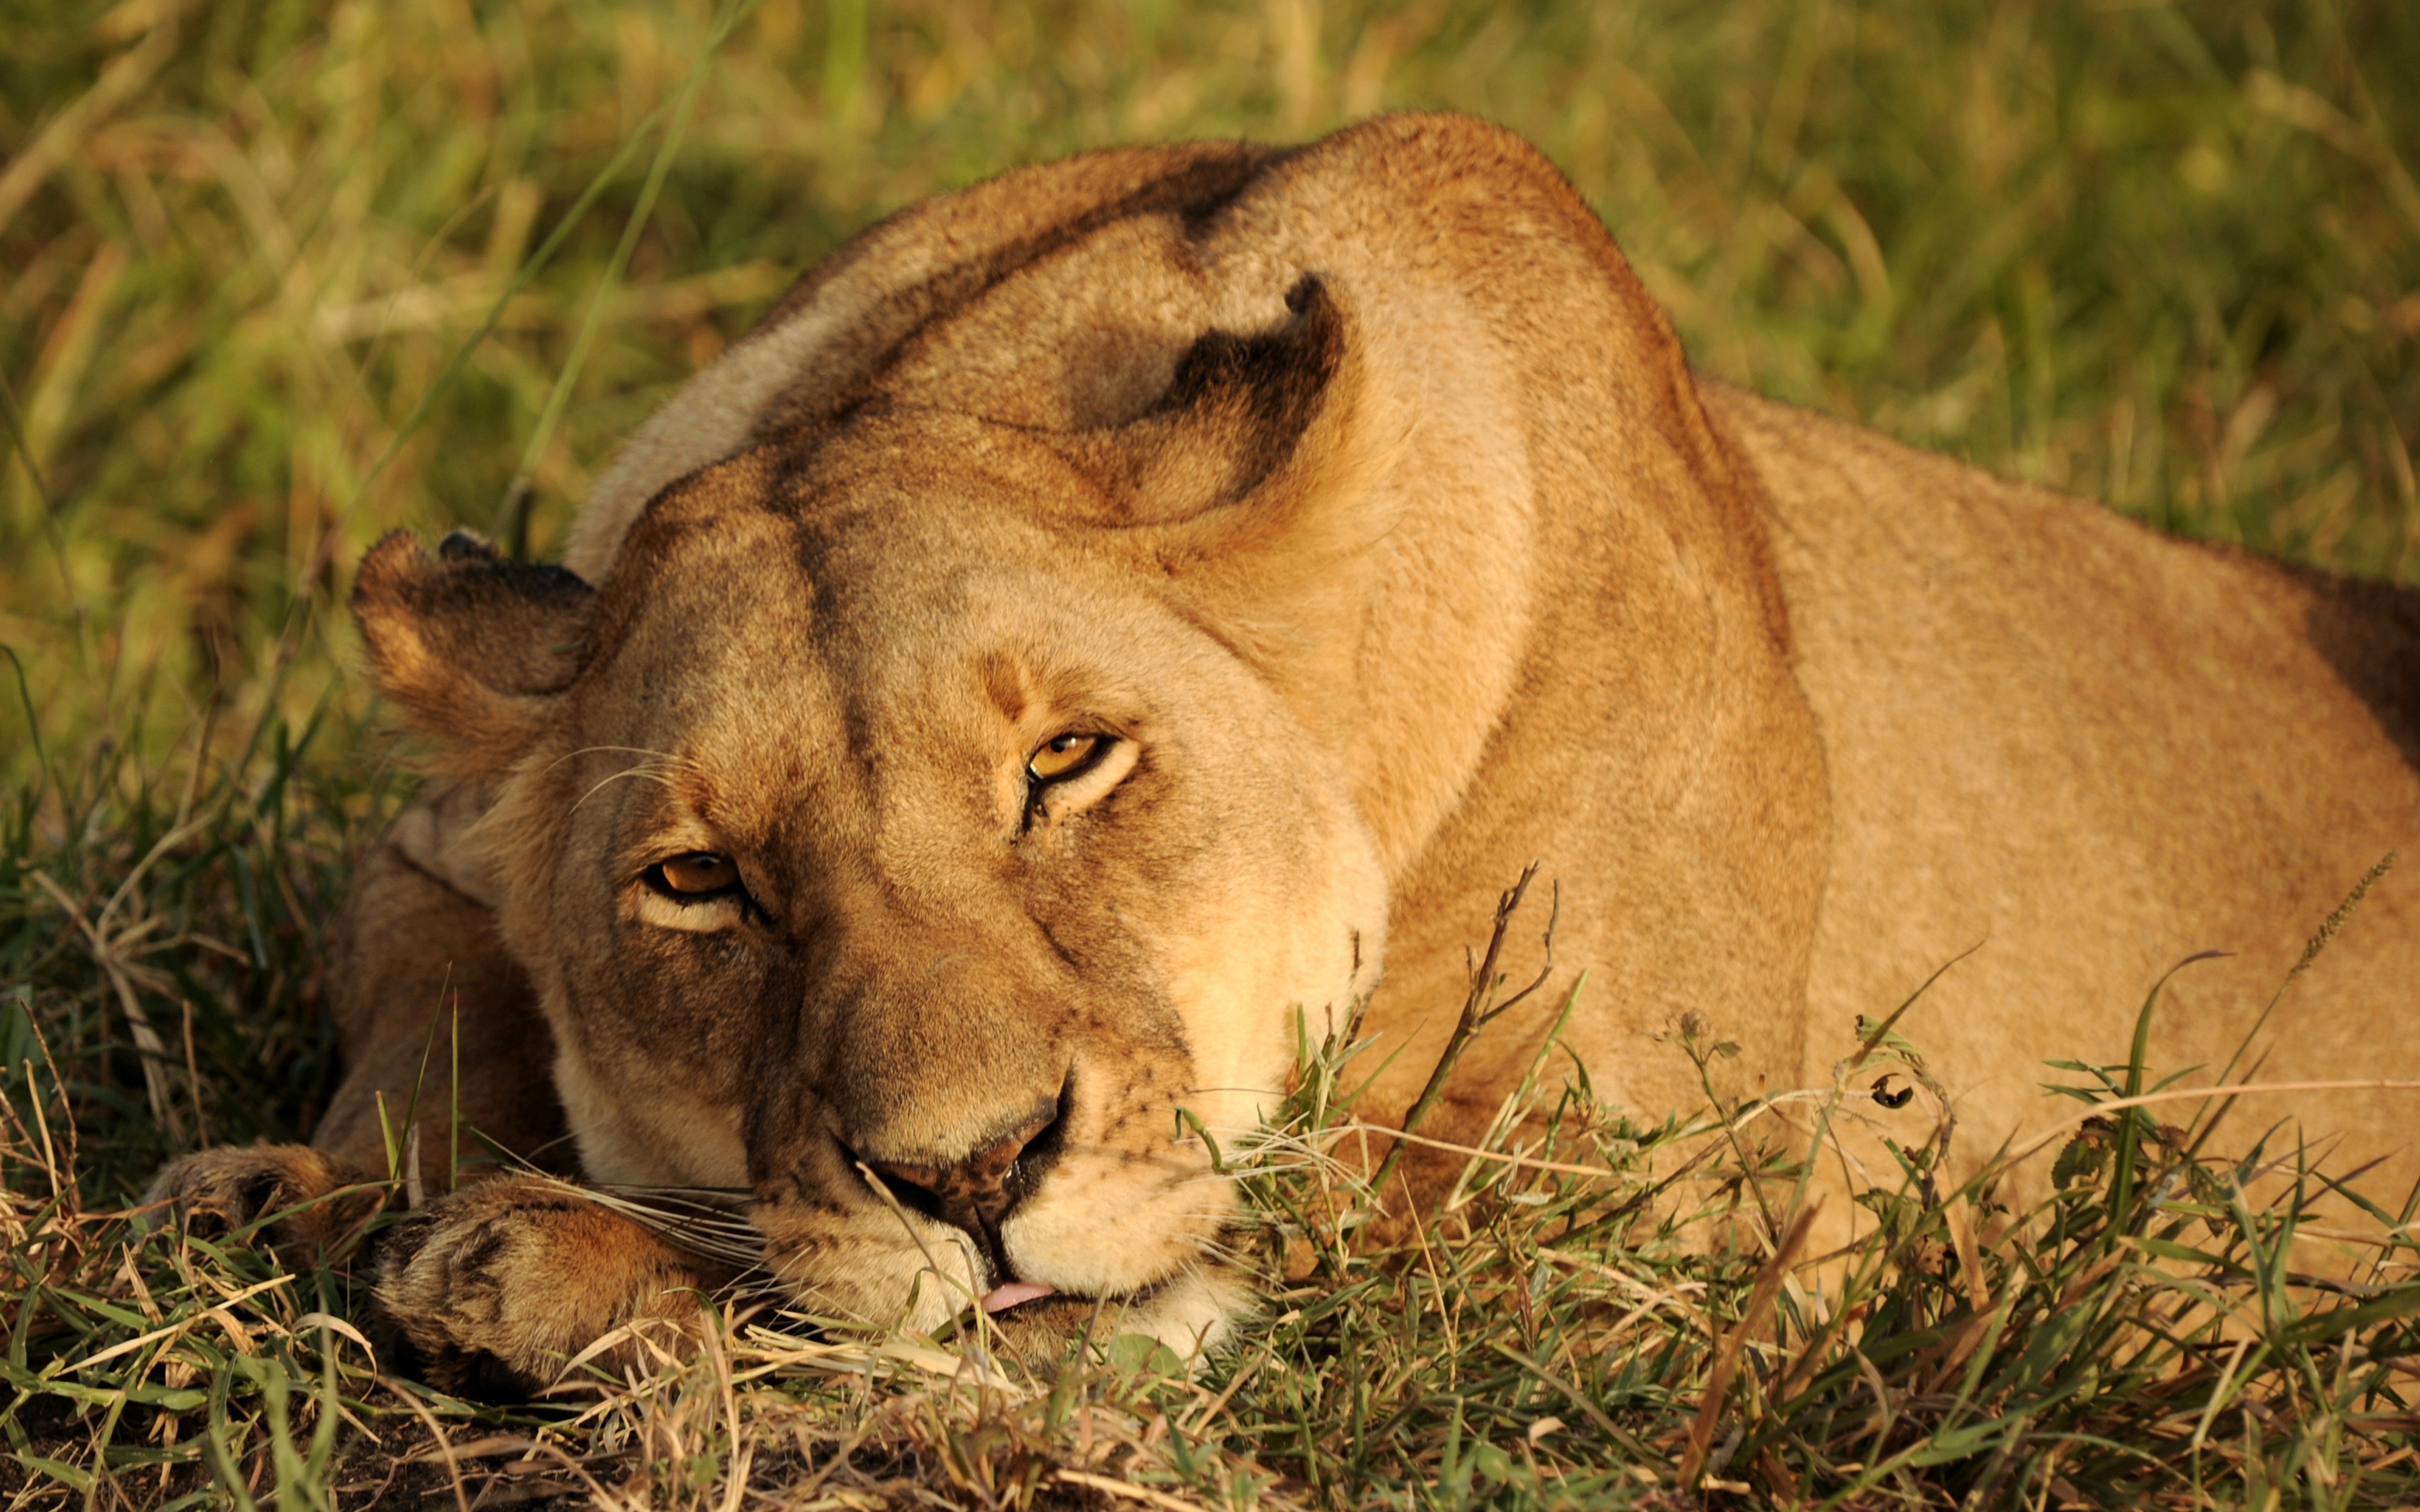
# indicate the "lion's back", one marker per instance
pixel 2092 751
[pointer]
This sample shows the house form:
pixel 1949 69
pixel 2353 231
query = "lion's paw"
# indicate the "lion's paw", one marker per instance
pixel 217 1194
pixel 497 1287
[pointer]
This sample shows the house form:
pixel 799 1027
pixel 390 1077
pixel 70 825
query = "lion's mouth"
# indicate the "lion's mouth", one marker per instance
pixel 1016 1293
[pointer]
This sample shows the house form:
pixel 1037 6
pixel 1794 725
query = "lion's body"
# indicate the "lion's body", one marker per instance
pixel 2090 753
pixel 1442 565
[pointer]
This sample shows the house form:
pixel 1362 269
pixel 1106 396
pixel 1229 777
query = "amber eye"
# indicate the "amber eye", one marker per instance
pixel 696 874
pixel 1058 758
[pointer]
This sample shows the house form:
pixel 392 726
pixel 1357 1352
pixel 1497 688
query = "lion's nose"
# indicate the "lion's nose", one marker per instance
pixel 976 1193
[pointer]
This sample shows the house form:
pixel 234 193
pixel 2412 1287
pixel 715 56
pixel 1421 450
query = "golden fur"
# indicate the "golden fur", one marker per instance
pixel 1359 498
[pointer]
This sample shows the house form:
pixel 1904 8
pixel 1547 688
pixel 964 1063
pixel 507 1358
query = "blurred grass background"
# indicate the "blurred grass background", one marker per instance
pixel 2164 255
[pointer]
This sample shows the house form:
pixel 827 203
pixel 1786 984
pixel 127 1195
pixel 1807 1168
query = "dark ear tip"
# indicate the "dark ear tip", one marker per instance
pixel 1319 320
pixel 466 546
pixel 385 566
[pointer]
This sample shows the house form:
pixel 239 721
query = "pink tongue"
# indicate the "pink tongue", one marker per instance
pixel 1001 1299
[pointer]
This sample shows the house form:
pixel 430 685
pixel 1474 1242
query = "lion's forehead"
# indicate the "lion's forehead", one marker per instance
pixel 926 624
pixel 895 735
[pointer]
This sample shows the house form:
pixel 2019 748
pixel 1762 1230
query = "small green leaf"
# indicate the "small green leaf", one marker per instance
pixel 2079 1159
pixel 80 1479
pixel 1491 1462
pixel 1144 1356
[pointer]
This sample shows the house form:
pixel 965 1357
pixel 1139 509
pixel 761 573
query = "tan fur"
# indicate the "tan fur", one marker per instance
pixel 505 1284
pixel 1359 491
pixel 308 1200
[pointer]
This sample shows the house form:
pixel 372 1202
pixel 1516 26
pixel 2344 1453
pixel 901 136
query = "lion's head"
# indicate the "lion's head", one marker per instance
pixel 924 810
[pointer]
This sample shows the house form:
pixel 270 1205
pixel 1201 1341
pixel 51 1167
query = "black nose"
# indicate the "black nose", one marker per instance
pixel 977 1194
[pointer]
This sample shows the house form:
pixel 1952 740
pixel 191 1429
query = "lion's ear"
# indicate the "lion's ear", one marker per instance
pixel 1241 414
pixel 1254 481
pixel 473 647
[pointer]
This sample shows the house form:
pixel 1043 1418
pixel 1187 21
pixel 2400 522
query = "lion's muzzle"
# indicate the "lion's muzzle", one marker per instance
pixel 977 1192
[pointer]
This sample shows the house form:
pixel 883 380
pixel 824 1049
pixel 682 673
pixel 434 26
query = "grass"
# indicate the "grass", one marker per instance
pixel 275 278
pixel 1594 1313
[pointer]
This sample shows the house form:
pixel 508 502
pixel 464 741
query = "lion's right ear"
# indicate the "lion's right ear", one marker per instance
pixel 473 647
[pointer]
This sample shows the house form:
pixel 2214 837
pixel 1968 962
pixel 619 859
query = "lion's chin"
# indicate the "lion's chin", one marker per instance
pixel 906 1272
pixel 1194 1312
pixel 1193 1315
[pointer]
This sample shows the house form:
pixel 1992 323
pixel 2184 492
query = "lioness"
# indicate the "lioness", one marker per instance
pixel 1103 612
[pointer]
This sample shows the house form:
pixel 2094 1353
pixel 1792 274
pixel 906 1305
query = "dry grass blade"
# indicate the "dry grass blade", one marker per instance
pixel 1719 1379
pixel 66 133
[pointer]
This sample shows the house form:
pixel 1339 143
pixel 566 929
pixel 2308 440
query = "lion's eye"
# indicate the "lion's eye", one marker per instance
pixel 698 874
pixel 1062 757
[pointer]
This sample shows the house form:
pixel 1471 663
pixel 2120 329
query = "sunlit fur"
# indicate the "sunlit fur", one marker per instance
pixel 1362 492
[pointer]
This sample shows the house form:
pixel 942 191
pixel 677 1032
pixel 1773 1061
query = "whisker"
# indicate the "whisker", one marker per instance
pixel 708 1221
pixel 638 772
pixel 670 758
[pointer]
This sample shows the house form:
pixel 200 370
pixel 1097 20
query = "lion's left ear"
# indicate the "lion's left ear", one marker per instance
pixel 1240 421
pixel 472 645
pixel 1252 481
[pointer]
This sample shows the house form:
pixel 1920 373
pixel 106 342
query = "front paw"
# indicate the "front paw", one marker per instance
pixel 496 1287
pixel 218 1193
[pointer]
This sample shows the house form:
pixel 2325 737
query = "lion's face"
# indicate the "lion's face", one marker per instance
pixel 900 853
